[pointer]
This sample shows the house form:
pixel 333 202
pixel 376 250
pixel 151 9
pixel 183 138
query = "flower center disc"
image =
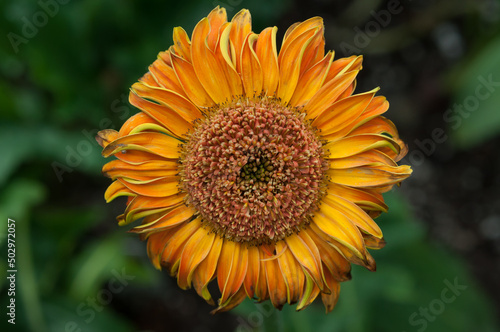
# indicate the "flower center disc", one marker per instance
pixel 254 169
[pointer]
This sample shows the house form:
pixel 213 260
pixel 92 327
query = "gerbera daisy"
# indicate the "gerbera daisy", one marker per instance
pixel 258 168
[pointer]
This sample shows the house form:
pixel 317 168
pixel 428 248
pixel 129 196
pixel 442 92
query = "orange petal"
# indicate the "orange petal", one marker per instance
pixel 169 98
pixel 147 170
pixel 305 256
pixel 250 70
pixel 379 105
pixel 169 118
pixel 174 217
pixel 276 283
pixel 142 206
pixel 289 61
pixel 231 270
pixel 171 254
pixel 344 65
pixel 366 199
pixel 215 20
pixel 309 294
pixel 331 258
pixel 352 145
pixel 190 82
pixel 195 251
pixel 106 136
pixel 161 187
pixel 292 274
pixel 366 158
pixel 204 273
pixel 209 70
pixel 348 252
pixel 330 300
pixel 314 52
pixel 241 28
pixel 311 81
pixel 261 292
pixel 116 189
pixel 343 112
pixel 265 48
pixel 328 94
pixel 182 45
pixel 149 79
pixel 235 300
pixel 164 74
pixel 370 176
pixel 156 244
pixel 156 143
pixel 337 226
pixel 252 277
pixel 355 214
pixel 297 29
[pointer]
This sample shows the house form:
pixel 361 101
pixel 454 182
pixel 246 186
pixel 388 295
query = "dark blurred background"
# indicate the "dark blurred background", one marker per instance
pixel 65 70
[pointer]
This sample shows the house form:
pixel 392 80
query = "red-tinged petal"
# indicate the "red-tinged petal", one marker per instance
pixel 328 94
pixel 330 300
pixel 293 275
pixel 204 273
pixel 352 145
pixel 289 61
pixel 161 187
pixel 265 48
pixel 252 276
pixel 190 83
pixel 195 251
pixel 276 284
pixel 182 45
pixel 250 69
pixel 261 292
pixel 163 145
pixel 311 81
pixel 171 254
pixel 169 98
pixel 117 189
pixel 168 117
pixel 156 244
pixel 342 113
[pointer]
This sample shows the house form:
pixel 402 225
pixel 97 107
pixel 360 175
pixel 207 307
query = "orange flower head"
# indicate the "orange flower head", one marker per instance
pixel 258 168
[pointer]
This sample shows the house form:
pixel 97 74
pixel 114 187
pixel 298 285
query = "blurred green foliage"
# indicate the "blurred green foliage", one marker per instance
pixel 66 82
